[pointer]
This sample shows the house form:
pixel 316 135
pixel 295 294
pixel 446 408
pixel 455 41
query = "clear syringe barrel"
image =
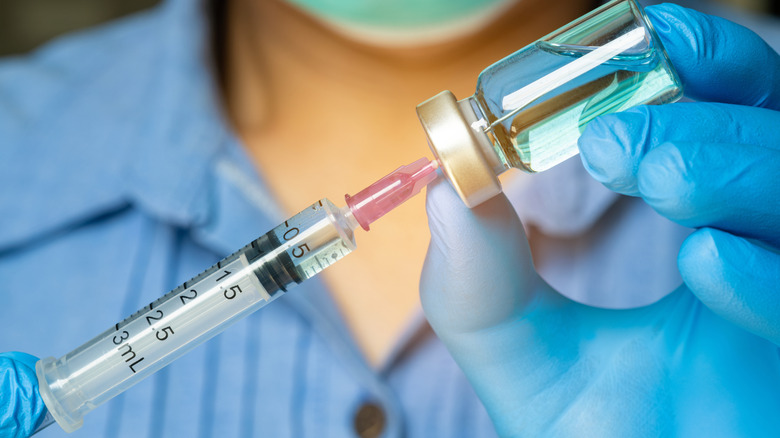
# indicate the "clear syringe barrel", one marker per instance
pixel 202 307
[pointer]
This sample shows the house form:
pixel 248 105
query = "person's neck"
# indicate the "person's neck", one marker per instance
pixel 321 115
pixel 280 55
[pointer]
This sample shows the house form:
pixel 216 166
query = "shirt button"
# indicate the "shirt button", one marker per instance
pixel 369 420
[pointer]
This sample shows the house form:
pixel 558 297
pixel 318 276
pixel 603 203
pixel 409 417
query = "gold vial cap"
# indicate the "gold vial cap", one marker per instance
pixel 459 150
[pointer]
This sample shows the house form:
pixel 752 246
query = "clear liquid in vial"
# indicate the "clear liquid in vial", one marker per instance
pixel 544 132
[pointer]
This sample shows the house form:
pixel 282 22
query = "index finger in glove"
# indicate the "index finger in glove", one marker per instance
pixel 718 60
pixel 699 164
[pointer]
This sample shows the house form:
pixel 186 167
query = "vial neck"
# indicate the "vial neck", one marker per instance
pixel 489 146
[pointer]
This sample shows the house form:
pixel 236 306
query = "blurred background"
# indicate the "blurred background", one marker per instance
pixel 25 24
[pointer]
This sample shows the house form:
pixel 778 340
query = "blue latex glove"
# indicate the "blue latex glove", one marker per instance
pixel 712 166
pixel 544 365
pixel 21 407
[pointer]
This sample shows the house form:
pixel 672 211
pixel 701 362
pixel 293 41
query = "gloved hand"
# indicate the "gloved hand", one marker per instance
pixel 544 365
pixel 712 166
pixel 21 407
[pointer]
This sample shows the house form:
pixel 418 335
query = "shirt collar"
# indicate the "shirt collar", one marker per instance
pixel 126 114
pixel 171 154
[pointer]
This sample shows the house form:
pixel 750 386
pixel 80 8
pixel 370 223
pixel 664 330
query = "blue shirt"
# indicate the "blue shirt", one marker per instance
pixel 121 180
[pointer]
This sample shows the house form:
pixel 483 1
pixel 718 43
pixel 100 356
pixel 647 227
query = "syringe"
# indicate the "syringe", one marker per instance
pixel 249 279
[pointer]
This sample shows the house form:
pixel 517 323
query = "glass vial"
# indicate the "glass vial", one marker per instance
pixel 531 107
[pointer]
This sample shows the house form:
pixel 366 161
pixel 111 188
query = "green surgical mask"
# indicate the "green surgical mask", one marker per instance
pixel 404 22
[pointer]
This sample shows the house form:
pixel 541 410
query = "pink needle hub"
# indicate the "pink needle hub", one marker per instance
pixel 379 198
